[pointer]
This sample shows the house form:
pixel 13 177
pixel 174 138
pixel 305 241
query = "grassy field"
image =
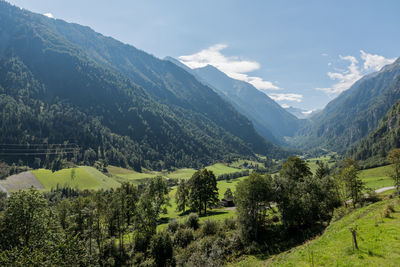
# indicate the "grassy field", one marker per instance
pixel 378 241
pixel 377 177
pixel 84 178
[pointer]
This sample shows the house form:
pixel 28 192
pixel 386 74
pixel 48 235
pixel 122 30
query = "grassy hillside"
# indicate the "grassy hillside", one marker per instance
pixel 84 178
pixel 378 241
pixel 377 177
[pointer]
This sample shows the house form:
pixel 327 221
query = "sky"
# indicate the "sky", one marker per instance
pixel 302 53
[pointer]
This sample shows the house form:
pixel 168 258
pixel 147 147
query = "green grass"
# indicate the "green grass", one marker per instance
pixel 377 177
pixel 181 173
pixel 220 168
pixel 85 178
pixel 378 239
pixel 125 175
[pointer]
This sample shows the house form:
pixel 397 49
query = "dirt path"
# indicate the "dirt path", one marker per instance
pixel 383 189
pixel 23 180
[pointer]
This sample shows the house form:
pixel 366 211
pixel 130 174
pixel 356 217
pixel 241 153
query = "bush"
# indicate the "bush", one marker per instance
pixel 161 249
pixel 183 237
pixel 372 195
pixel 339 213
pixel 230 223
pixel 210 227
pixel 388 210
pixel 192 221
pixel 173 226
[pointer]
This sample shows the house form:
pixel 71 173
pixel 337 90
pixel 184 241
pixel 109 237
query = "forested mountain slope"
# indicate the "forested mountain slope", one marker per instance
pixel 269 118
pixel 62 82
pixel 357 111
pixel 382 139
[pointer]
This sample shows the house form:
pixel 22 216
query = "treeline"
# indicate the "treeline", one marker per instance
pixel 233 175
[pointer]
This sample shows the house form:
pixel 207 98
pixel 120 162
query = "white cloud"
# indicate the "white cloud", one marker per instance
pixel 285 106
pixel 374 62
pixel 286 97
pixel 49 15
pixel 308 112
pixel 234 67
pixel 346 78
pixel 324 54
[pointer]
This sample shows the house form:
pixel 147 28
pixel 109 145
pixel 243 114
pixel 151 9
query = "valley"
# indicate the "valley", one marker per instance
pixel 113 156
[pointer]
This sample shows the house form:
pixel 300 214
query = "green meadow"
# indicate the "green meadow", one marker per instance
pixel 377 177
pixel 82 177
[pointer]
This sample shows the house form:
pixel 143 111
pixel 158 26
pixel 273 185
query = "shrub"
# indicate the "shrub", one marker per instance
pixel 161 249
pixel 388 210
pixel 192 221
pixel 339 213
pixel 183 237
pixel 230 224
pixel 210 227
pixel 173 226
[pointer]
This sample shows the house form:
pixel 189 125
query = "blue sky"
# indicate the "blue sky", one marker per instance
pixel 301 53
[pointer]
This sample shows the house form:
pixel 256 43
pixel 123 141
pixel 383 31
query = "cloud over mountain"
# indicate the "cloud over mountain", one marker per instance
pixel 233 66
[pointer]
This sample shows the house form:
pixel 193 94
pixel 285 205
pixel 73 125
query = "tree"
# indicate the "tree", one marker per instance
pixel 295 169
pixel 161 248
pixel 304 199
pixel 157 191
pixel 353 185
pixel 321 171
pixel 26 219
pixel 394 158
pixel 203 191
pixel 182 195
pixel 228 195
pixel 253 197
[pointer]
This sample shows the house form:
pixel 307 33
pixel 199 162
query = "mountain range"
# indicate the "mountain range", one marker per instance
pixel 354 113
pixel 269 118
pixel 62 82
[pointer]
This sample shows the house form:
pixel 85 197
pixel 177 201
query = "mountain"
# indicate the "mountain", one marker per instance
pixel 65 83
pixel 269 118
pixel 386 136
pixel 354 113
pixel 300 113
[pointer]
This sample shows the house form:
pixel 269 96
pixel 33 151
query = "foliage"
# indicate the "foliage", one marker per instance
pixel 394 158
pixel 161 249
pixel 182 195
pixel 304 199
pixel 253 197
pixel 203 192
pixel 352 184
pixel 192 221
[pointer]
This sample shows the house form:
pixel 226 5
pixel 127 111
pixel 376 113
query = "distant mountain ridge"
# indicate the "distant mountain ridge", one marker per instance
pixel 386 136
pixel 61 81
pixel 269 118
pixel 300 113
pixel 353 114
